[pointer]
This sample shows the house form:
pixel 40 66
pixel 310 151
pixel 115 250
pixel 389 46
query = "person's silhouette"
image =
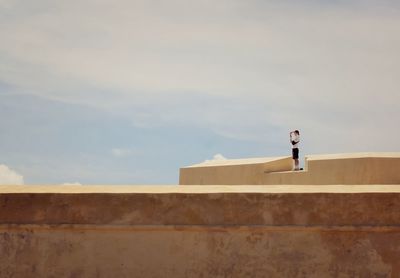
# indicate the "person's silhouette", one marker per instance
pixel 294 140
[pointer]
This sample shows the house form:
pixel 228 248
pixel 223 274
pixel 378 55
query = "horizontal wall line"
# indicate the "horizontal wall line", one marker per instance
pixel 193 228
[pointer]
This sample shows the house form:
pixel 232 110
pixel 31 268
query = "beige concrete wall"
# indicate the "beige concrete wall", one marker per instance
pixel 353 169
pixel 241 231
pixel 234 172
pixel 188 252
pixel 359 168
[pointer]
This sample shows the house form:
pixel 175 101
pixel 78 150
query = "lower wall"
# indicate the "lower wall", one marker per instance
pixel 204 231
pixel 74 251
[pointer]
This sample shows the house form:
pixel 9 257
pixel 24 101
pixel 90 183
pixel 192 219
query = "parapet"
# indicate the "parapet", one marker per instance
pixel 200 231
pixel 353 168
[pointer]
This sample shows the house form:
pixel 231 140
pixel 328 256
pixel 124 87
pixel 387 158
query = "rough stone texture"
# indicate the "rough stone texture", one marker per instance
pixel 241 231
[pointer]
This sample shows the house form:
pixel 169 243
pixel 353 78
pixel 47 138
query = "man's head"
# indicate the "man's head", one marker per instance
pixel 297 132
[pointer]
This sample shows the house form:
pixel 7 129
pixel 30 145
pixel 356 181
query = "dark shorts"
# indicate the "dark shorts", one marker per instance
pixel 295 153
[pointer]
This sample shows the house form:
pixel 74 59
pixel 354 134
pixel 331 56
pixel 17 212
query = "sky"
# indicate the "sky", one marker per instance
pixel 127 92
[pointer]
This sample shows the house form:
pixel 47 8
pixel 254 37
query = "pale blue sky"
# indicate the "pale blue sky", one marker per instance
pixel 126 92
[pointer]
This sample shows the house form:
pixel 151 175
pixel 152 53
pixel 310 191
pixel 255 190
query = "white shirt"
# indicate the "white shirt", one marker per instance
pixel 296 138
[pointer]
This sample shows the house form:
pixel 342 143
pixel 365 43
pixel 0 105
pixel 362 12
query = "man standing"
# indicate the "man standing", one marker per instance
pixel 294 140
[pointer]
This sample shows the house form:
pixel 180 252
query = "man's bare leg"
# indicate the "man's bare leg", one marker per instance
pixel 296 164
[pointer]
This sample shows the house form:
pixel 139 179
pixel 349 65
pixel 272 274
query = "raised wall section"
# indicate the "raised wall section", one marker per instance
pixel 359 168
pixel 200 231
pixel 233 171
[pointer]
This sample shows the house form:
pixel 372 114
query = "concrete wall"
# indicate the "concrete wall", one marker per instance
pixel 342 169
pixel 359 168
pixel 233 171
pixel 198 231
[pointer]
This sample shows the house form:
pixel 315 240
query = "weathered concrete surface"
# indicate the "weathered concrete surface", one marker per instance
pixel 212 231
pixel 356 168
pixel 233 171
pixel 198 252
pixel 197 205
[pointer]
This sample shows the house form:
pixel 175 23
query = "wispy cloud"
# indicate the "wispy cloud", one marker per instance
pixel 9 176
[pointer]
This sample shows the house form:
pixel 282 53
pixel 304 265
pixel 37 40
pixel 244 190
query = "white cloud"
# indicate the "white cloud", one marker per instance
pixel 10 177
pixel 216 157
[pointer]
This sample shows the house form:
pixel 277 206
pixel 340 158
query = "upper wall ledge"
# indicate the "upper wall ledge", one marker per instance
pixel 353 155
pixel 211 189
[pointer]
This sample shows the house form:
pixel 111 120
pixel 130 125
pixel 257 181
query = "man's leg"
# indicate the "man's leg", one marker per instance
pixel 295 153
pixel 296 164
